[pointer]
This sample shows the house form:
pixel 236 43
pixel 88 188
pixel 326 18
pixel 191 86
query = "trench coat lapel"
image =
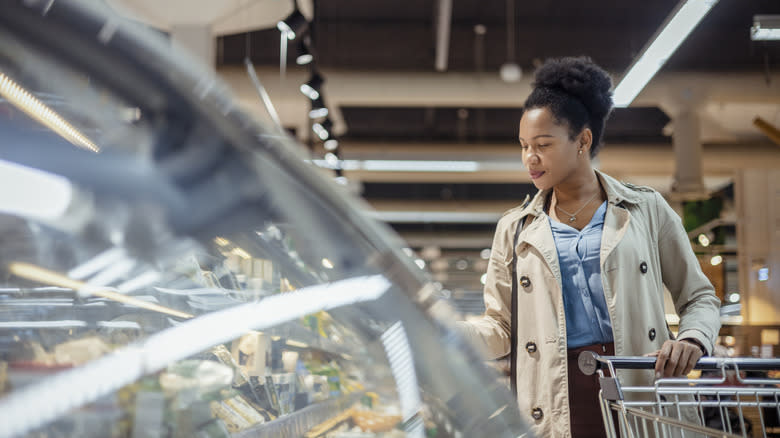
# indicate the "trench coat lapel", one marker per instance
pixel 615 225
pixel 617 218
pixel 538 235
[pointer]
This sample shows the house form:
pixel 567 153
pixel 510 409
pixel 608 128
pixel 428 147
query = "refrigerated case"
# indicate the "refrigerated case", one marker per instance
pixel 171 267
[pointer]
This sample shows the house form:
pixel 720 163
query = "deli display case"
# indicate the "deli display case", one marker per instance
pixel 171 267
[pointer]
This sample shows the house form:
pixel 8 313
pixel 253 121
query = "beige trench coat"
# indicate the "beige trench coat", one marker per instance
pixel 643 248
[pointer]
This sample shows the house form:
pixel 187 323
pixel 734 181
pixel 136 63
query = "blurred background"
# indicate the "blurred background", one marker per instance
pixel 414 105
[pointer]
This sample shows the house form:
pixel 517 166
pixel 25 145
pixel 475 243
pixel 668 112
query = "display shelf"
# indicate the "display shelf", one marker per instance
pixel 299 422
pixel 307 340
pixel 273 250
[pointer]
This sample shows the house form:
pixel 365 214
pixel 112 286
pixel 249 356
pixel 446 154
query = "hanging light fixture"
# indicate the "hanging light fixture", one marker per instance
pixel 311 89
pixel 318 108
pixel 322 129
pixel 294 25
pixel 331 144
pixel 305 56
pixel 510 71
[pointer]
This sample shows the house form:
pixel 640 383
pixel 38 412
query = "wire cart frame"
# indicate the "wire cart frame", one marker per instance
pixel 734 397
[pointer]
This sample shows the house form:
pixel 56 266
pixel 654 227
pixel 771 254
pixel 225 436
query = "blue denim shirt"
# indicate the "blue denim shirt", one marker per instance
pixel 587 319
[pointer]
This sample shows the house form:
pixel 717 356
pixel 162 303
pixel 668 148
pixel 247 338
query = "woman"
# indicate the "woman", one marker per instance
pixel 592 256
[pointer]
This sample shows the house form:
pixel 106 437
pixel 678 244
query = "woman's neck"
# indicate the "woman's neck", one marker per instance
pixel 578 187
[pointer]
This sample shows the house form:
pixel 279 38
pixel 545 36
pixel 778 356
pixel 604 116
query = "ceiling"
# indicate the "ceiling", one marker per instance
pixel 388 100
pixel 400 35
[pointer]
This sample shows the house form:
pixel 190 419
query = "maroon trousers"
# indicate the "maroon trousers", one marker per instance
pixel 584 405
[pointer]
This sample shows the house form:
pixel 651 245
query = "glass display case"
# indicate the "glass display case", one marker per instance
pixel 171 267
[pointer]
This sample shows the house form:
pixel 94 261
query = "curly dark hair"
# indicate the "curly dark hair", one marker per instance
pixel 577 92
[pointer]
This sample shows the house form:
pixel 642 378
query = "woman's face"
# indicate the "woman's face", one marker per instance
pixel 548 153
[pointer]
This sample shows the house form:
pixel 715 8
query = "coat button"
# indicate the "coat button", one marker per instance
pixel 643 267
pixel 651 334
pixel 537 413
pixel 525 281
pixel 530 347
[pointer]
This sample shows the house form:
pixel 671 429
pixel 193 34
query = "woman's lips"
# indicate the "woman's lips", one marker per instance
pixel 535 175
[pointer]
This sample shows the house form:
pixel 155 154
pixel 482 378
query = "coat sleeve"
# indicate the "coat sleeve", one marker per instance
pixel 693 294
pixel 492 329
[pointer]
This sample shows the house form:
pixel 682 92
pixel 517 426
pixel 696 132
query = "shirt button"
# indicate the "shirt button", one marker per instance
pixel 525 281
pixel 643 267
pixel 651 334
pixel 530 347
pixel 537 413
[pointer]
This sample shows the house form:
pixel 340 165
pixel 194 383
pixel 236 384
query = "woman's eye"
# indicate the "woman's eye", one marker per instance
pixel 544 145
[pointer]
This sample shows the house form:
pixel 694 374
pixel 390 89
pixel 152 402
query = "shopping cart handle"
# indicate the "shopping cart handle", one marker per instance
pixel 589 362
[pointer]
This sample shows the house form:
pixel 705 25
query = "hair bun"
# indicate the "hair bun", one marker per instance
pixel 581 78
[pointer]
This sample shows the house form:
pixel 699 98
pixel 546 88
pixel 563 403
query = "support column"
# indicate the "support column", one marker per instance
pixel 198 39
pixel 757 194
pixel 688 180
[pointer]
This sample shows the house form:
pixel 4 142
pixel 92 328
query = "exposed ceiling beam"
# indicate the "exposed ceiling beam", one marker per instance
pixel 768 129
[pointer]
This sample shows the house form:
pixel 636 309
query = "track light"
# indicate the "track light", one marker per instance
pixel 705 239
pixel 716 260
pixel 294 25
pixel 304 54
pixel 332 159
pixel 311 89
pixel 318 109
pixel 322 129
pixel 331 144
pixel 765 28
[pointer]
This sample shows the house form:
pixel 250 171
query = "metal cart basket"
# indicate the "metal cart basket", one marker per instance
pixel 734 397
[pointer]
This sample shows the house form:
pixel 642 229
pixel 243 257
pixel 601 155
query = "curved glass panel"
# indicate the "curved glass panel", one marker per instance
pixel 168 267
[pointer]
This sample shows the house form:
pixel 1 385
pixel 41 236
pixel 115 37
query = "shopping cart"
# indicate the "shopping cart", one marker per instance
pixel 734 397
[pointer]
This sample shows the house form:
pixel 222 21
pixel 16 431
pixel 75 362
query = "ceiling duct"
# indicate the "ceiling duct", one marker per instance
pixel 443 23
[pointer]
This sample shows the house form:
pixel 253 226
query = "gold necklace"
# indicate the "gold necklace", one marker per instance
pixel 573 216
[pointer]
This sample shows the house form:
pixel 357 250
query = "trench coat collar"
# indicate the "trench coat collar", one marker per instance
pixel 616 191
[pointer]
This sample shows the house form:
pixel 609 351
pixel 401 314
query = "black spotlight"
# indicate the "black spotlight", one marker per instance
pixel 304 54
pixel 331 144
pixel 322 129
pixel 318 108
pixel 294 25
pixel 311 89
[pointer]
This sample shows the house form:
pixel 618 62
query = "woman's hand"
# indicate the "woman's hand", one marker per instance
pixel 676 358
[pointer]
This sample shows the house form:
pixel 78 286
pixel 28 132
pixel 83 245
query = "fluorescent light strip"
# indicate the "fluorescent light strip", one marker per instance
pixel 36 109
pixel 759 34
pixel 36 194
pixel 119 324
pixel 138 282
pixel 443 217
pixel 421 166
pixel 97 263
pixel 463 166
pixel 403 165
pixel 399 355
pixel 42 324
pixel 112 273
pixel 675 30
